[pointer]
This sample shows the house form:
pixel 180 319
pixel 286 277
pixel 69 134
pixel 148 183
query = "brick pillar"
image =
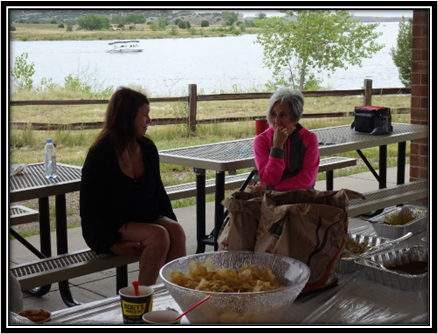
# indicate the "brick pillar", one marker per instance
pixel 420 93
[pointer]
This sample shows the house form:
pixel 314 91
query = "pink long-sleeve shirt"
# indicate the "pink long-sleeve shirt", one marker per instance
pixel 294 167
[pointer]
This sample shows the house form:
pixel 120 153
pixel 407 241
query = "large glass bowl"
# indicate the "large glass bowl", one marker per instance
pixel 265 307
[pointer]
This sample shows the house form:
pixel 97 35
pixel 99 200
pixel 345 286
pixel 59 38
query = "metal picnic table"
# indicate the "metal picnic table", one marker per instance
pixel 238 154
pixel 33 184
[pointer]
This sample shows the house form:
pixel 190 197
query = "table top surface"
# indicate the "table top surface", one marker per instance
pixel 356 300
pixel 33 184
pixel 231 155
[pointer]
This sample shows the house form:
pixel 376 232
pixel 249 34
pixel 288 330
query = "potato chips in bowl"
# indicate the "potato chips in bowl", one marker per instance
pixel 245 287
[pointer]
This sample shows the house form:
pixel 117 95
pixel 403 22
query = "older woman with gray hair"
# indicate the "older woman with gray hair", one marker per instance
pixel 286 154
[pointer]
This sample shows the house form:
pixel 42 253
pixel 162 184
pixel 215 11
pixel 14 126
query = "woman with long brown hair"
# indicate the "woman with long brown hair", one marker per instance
pixel 123 204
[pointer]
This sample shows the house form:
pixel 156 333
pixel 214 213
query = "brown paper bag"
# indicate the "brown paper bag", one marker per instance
pixel 308 225
pixel 240 227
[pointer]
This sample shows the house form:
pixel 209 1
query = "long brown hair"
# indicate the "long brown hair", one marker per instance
pixel 119 129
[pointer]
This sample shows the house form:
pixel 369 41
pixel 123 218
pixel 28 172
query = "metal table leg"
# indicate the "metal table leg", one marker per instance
pixel 329 180
pixel 381 177
pixel 382 165
pixel 121 278
pixel 219 209
pixel 45 243
pixel 26 243
pixel 382 183
pixel 62 246
pixel 200 209
pixel 401 157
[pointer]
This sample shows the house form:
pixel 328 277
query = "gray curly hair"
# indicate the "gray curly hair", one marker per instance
pixel 294 97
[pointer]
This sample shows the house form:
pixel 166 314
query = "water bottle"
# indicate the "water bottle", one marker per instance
pixel 50 159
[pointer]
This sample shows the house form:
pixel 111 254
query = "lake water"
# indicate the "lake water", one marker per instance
pixel 167 66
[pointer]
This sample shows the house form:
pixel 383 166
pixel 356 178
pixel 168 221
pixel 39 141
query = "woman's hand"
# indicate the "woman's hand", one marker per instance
pixel 129 248
pixel 280 136
pixel 259 186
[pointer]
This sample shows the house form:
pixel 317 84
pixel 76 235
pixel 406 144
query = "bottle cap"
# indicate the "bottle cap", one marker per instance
pixel 48 140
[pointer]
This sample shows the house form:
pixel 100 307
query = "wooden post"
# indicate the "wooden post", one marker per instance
pixel 193 98
pixel 368 87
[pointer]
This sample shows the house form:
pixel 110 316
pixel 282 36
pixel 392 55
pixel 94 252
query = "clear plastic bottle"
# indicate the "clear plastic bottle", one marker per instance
pixel 50 159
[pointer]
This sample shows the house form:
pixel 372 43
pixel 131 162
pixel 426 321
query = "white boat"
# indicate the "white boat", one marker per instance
pixel 125 46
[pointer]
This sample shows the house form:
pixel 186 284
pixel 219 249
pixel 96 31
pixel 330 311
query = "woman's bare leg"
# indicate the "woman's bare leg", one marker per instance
pixel 177 238
pixel 155 241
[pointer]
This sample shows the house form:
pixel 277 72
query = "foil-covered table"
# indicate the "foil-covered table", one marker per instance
pixel 355 301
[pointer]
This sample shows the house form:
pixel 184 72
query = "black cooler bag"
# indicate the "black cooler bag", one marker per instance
pixel 372 120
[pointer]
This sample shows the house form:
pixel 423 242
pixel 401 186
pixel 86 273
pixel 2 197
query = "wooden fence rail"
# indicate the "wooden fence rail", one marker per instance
pixel 193 98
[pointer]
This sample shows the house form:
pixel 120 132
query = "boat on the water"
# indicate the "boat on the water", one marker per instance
pixel 125 46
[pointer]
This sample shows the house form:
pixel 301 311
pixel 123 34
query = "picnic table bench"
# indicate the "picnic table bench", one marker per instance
pixel 184 190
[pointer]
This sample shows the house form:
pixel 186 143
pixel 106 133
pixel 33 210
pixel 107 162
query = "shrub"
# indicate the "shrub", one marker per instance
pixel 11 28
pixel 173 31
pixel 60 25
pixel 93 22
pixel 22 73
pixel 205 23
pixel 182 24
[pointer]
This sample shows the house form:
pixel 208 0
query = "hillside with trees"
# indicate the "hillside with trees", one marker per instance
pixel 64 16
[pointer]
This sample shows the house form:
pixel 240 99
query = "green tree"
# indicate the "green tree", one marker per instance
pixel 318 40
pixel 242 27
pixel 260 16
pixel 94 22
pixel 173 30
pixel 205 23
pixel 135 18
pixel 69 26
pixel 182 24
pixel 118 19
pixel 22 73
pixel 230 17
pixel 162 23
pixel 402 54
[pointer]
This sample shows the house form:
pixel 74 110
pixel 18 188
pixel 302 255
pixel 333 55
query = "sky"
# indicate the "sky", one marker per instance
pixel 362 12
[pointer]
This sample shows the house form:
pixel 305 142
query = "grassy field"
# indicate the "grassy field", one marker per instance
pixel 51 32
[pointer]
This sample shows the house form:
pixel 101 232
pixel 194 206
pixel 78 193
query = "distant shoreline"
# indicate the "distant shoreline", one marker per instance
pixel 56 31
pixel 380 19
